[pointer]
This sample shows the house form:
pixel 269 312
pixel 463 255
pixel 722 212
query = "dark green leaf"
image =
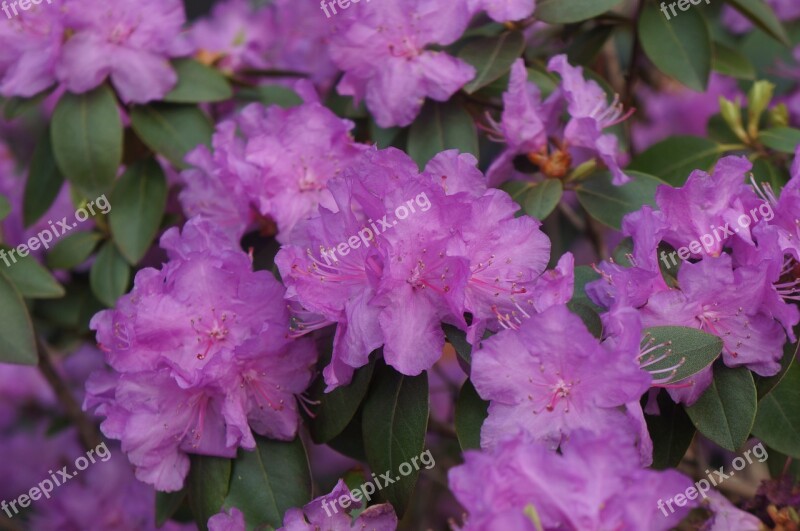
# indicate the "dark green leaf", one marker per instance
pixel 471 411
pixel 73 250
pixel 337 408
pixel 671 431
pixel 172 130
pixel 609 204
pixel 589 317
pixel 569 11
pixel 778 419
pixel 783 139
pixel 458 338
pixel 732 62
pixel 394 424
pixel 139 198
pixel 5 207
pixel 762 16
pixel 198 83
pixel 673 159
pixel 584 275
pixel 441 126
pixel 267 482
pixel 587 45
pixel 109 275
pixel 765 385
pixel 765 171
pixel 680 47
pixel 44 181
pixel 17 344
pixel 207 486
pixel 270 95
pixel 492 57
pixel 167 504
pixel 537 199
pixel 690 348
pixel 32 280
pixel 726 410
pixel 87 139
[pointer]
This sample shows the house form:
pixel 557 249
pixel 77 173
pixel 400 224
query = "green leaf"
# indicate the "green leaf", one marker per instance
pixel 537 199
pixel 32 280
pixel 680 47
pixel 441 126
pixel 73 250
pixel 337 408
pixel 732 62
pixel 589 317
pixel 471 411
pixel 270 95
pixel 690 348
pixel 267 482
pixel 167 504
pixel 458 338
pixel 765 171
pixel 139 198
pixel 5 207
pixel 569 11
pixel 783 139
pixel 587 45
pixel 726 410
pixel 172 130
pixel 109 275
pixel 44 181
pixel 765 385
pixel 673 159
pixel 198 83
pixel 671 431
pixel 87 139
pixel 492 57
pixel 394 424
pixel 584 275
pixel 207 486
pixel 778 420
pixel 609 204
pixel 762 16
pixel 17 343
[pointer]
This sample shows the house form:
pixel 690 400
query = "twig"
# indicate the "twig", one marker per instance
pixel 90 438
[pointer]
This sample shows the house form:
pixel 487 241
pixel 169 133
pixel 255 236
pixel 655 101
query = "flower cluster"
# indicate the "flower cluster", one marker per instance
pixel 201 356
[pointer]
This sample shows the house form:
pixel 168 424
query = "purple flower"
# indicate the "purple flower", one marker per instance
pixel 380 272
pixel 278 168
pixel 381 48
pixel 131 43
pixel 230 520
pixel 504 10
pixel 327 513
pixel 540 384
pixel 594 483
pixel 201 355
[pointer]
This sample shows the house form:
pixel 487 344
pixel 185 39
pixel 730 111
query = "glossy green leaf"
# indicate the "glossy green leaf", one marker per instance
pixel 458 338
pixel 471 411
pixel 207 486
pixel 17 343
pixel 671 432
pixel 139 198
pixel 32 280
pixel 589 317
pixel 87 139
pixel 172 130
pixel 109 275
pixel 492 57
pixel 687 349
pixel 441 126
pixel 73 250
pixel 588 44
pixel 269 481
pixel 569 11
pixel 778 420
pixel 44 181
pixel 394 423
pixel 198 83
pixel 783 139
pixel 537 199
pixel 167 504
pixel 762 15
pixel 609 204
pixel 732 62
pixel 725 412
pixel 679 47
pixel 337 408
pixel 270 95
